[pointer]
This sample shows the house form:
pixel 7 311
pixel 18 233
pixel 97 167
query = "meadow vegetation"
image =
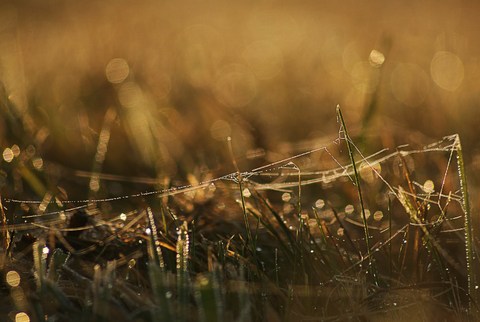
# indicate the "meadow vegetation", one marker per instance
pixel 267 161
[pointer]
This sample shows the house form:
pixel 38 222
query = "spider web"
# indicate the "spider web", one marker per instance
pixel 319 180
pixel 302 171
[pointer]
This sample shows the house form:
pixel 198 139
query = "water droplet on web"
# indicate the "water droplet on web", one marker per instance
pixel 349 209
pixel 320 203
pixel 286 197
pixel 340 232
pixel 378 215
pixel 429 186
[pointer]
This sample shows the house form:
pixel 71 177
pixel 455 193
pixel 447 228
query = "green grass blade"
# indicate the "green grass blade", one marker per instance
pixel 469 247
pixel 360 195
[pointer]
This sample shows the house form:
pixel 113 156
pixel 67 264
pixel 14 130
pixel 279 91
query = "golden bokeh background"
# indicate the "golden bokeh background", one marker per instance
pixel 153 88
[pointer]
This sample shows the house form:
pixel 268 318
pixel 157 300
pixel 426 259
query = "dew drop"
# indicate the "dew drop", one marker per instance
pixel 340 232
pixel 429 186
pixel 378 215
pixel 286 197
pixel 349 209
pixel 320 203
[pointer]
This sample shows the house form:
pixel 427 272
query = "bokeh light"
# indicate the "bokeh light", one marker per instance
pixel 8 155
pixel 117 70
pixel 236 86
pixel 220 130
pixel 12 278
pixel 429 186
pixel 447 70
pixel 22 317
pixel 264 58
pixel 409 84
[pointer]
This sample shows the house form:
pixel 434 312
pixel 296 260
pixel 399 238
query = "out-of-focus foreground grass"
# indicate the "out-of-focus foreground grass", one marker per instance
pixel 110 98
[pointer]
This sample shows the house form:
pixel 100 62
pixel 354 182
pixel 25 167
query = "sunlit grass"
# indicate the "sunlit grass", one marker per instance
pixel 122 202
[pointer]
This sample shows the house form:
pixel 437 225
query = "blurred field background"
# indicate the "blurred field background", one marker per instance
pixel 108 98
pixel 178 78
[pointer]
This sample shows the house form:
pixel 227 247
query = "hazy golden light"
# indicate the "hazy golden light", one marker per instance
pixel 13 278
pixel 278 26
pixel 364 77
pixel 332 56
pixel 235 86
pixel 8 155
pixel 117 70
pixel 220 130
pixel 409 84
pixel 351 56
pixel 447 70
pixel 200 48
pixel 264 58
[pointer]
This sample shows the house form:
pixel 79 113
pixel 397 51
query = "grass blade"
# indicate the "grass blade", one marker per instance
pixel 360 196
pixel 469 251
